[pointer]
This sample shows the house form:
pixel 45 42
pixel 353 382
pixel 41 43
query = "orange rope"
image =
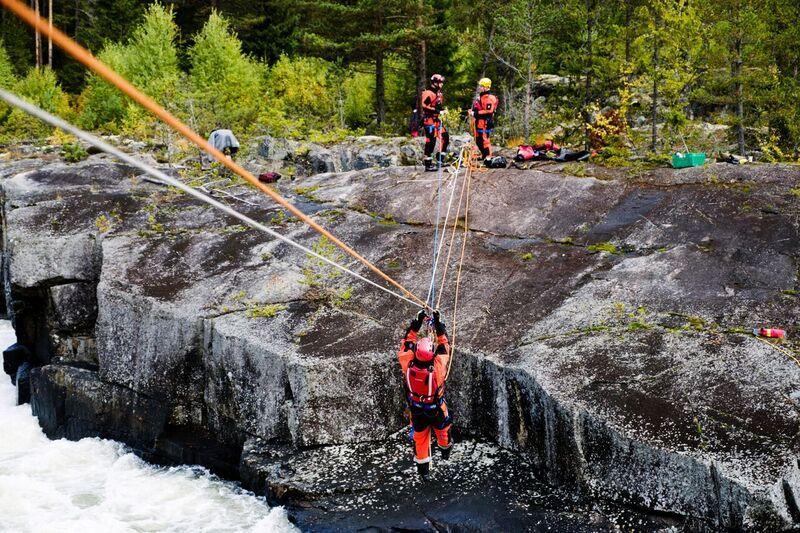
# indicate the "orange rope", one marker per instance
pixel 85 57
pixel 465 151
pixel 458 276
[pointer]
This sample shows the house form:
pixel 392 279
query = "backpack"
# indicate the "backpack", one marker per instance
pixel 525 152
pixel 497 161
pixel 421 382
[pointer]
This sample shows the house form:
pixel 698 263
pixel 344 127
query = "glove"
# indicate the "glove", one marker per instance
pixel 416 323
pixel 438 323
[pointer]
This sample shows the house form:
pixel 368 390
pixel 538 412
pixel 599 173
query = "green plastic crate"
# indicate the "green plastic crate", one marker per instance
pixel 690 159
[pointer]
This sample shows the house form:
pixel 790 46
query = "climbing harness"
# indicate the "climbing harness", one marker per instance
pixel 84 56
pixel 168 180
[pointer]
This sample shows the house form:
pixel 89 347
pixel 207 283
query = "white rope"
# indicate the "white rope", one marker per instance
pixel 438 252
pixel 164 178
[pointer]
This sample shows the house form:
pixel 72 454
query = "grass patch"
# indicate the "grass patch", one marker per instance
pixel 603 247
pixel 73 152
pixel 578 170
pixel 527 256
pixel 265 311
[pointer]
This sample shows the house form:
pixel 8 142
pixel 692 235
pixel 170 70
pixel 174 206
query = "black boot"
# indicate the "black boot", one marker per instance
pixel 446 452
pixel 441 157
pixel 429 165
pixel 424 470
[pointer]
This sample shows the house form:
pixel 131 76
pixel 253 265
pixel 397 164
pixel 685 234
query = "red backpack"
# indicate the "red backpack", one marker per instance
pixel 421 382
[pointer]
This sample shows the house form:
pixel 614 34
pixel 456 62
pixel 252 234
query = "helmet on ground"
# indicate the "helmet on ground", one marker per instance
pixel 485 82
pixel 424 351
pixel 437 78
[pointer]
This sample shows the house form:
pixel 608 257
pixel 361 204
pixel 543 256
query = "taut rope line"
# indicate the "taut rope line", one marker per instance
pixel 100 68
pixel 164 178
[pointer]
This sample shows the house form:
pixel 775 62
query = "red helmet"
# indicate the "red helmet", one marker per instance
pixel 424 351
pixel 437 79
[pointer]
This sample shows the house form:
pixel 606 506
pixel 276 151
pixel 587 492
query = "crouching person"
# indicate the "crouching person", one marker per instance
pixel 424 366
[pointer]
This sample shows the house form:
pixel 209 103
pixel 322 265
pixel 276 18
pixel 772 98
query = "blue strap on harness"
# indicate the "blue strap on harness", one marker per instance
pixel 425 406
pixel 489 132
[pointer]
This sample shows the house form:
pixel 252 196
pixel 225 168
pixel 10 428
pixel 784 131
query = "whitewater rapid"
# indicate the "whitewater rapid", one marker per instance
pixel 97 485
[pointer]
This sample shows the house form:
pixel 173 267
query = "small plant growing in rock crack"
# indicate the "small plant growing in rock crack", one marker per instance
pixel 73 152
pixel 265 311
pixel 308 193
pixel 321 278
pixel 527 256
pixel 607 247
pixel 575 169
pixel 278 218
pixel 103 224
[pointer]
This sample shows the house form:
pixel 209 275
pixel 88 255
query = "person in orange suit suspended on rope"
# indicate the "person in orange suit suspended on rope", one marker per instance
pixel 483 110
pixel 425 366
pixel 431 102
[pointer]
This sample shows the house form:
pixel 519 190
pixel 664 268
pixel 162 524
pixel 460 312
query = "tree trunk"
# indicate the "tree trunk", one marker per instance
pixel 737 76
pixel 590 5
pixel 486 56
pixel 628 38
pixel 656 65
pixel 422 60
pixel 526 126
pixel 38 36
pixel 380 90
pixel 49 39
pixel 422 71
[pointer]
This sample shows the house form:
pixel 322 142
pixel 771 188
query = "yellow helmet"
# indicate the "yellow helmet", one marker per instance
pixel 485 82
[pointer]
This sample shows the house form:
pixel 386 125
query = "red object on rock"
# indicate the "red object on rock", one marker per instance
pixel 269 177
pixel 774 333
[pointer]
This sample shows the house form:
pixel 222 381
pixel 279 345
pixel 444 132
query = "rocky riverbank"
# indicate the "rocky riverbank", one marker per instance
pixel 603 353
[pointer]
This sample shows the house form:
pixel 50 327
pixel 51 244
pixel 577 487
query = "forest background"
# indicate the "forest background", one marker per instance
pixel 639 78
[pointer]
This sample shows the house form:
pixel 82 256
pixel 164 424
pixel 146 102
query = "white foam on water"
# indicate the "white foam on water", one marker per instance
pixel 97 485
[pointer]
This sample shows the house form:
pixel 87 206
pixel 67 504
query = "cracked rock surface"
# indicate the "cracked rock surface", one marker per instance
pixel 603 341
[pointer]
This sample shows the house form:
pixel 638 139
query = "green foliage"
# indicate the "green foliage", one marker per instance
pixel 607 247
pixel 41 88
pixel 300 86
pixel 103 106
pixel 73 152
pixel 226 84
pixel 7 77
pixel 358 94
pixel 149 60
pixel 265 311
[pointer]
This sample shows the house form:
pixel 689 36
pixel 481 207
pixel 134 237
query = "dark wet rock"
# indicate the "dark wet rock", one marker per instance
pixel 13 357
pixel 23 383
pixel 374 486
pixel 74 306
pixel 74 403
pixel 602 335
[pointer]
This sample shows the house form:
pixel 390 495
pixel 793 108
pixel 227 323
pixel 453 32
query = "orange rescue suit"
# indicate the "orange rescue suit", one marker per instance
pixel 434 415
pixel 483 109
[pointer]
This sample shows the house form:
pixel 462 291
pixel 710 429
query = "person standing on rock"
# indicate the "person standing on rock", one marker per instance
pixel 431 102
pixel 424 373
pixel 483 109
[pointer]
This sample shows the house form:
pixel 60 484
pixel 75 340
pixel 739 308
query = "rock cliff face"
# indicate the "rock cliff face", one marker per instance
pixel 602 343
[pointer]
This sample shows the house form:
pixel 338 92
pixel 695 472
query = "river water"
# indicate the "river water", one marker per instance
pixel 96 485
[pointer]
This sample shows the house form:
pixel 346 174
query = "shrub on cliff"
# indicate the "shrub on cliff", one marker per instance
pixel 227 88
pixel 149 61
pixel 40 87
pixel 7 79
